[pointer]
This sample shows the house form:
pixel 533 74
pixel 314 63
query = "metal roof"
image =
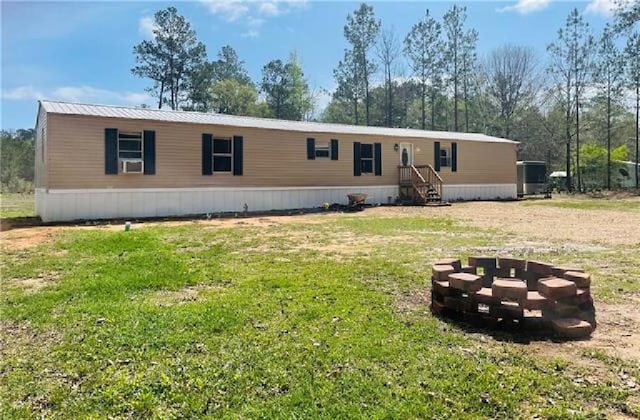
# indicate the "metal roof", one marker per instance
pixel 111 111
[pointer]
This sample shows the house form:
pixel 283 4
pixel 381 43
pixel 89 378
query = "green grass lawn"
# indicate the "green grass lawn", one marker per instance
pixel 16 205
pixel 322 318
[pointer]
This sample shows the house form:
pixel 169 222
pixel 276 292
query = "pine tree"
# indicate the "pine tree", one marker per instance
pixel 423 48
pixel 361 31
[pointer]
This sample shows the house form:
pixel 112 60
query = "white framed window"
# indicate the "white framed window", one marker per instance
pixel 129 145
pixel 366 158
pixel 222 155
pixel 323 151
pixel 130 153
pixel 445 158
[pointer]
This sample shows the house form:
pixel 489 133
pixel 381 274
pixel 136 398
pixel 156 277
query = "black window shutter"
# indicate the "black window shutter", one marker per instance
pixel 377 155
pixel 454 157
pixel 207 154
pixel 436 155
pixel 237 155
pixel 334 149
pixel 311 148
pixel 111 151
pixel 149 148
pixel 357 170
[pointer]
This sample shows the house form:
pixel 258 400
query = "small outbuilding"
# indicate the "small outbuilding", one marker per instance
pixel 100 162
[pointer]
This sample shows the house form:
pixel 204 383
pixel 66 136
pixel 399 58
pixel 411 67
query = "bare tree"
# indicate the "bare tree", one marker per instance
pixel 388 53
pixel 511 74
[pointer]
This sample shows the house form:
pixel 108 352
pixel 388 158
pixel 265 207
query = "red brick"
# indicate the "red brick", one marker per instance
pixel 562 310
pixel 583 296
pixel 487 277
pixel 484 262
pixel 533 321
pixel 554 288
pixel 572 327
pixel 481 320
pixel 460 304
pixel 469 269
pixel 441 272
pixel 440 287
pixel 506 310
pixel 535 301
pixel 454 262
pixel 589 316
pixel 541 269
pixel 558 271
pixel 530 278
pixel 438 308
pixel 512 263
pixel 504 272
pixel 510 289
pixel 582 280
pixel 465 282
pixel 485 296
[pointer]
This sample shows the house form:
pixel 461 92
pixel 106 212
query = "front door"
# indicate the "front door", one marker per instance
pixel 406 154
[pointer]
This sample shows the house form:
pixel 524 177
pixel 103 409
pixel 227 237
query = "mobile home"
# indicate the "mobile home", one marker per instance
pixel 97 162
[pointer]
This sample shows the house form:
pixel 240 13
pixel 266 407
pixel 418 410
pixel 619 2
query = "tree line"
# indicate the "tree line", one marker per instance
pixel 565 107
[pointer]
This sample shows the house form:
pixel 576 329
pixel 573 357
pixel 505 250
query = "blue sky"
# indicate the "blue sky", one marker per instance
pixel 82 51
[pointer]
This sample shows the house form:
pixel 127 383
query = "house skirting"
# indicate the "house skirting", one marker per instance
pixel 468 192
pixel 57 205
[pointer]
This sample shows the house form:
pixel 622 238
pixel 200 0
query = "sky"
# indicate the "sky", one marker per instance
pixel 83 51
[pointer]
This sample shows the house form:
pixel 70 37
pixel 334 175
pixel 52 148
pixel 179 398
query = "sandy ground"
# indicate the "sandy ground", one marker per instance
pixel 618 331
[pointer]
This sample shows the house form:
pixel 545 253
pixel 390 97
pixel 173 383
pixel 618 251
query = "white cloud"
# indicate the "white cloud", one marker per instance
pixel 146 26
pixel 230 10
pixel 254 23
pixel 269 8
pixel 97 95
pixel 526 6
pixel 604 8
pixel 22 93
pixel 251 11
pixel 251 33
pixel 77 94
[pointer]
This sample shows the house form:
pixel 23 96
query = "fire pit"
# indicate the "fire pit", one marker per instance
pixel 528 294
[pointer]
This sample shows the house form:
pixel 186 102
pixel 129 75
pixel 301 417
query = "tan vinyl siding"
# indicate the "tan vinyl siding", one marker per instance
pixel 40 163
pixel 272 158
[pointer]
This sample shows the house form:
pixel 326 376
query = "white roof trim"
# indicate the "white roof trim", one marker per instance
pixel 110 111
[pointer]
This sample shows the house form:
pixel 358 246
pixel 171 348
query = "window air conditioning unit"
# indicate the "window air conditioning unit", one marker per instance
pixel 132 166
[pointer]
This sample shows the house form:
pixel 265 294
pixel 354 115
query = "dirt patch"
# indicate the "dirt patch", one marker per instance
pixel 603 227
pixel 28 237
pixel 33 284
pixel 182 296
pixel 617 334
pixel 618 331
pixel 15 337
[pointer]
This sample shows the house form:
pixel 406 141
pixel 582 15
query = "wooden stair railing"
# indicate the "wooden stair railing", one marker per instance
pixel 424 181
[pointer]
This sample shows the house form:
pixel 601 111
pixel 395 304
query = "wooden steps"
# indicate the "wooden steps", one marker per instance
pixel 420 186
